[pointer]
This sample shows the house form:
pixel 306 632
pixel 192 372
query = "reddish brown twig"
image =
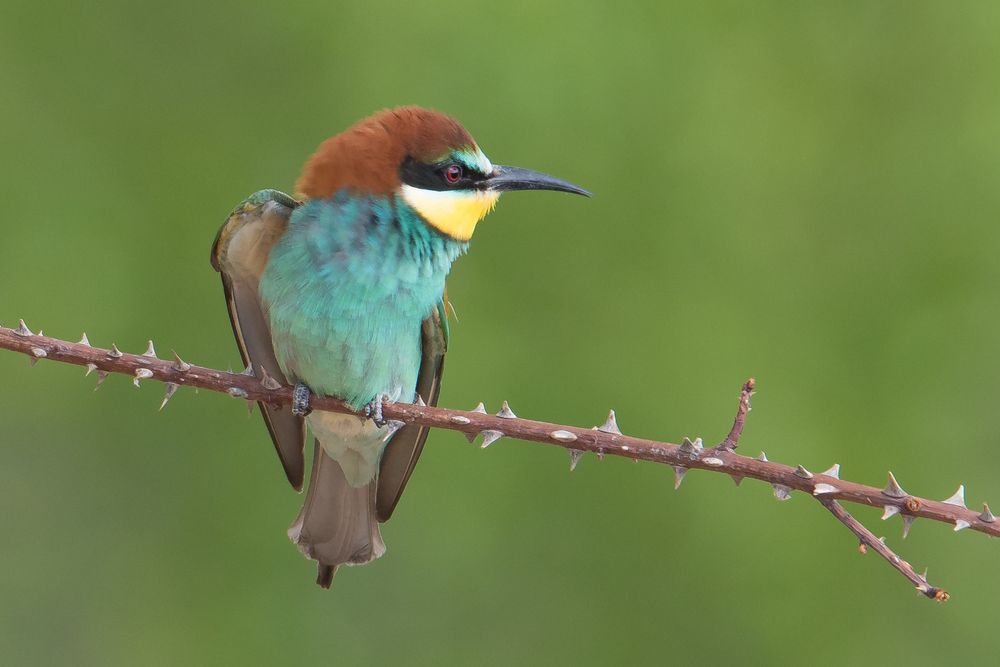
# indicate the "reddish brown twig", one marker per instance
pixel 869 541
pixel 600 440
pixel 733 439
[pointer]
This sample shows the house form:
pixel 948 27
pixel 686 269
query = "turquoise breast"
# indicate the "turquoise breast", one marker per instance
pixel 346 289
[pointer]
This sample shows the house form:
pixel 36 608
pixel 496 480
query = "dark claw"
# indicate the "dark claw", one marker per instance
pixel 300 400
pixel 374 411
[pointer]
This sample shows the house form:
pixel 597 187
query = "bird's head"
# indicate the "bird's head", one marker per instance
pixel 425 157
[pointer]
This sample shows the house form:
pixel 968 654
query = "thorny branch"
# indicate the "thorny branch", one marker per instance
pixel 607 439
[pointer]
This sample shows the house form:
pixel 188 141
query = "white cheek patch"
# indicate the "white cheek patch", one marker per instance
pixel 454 212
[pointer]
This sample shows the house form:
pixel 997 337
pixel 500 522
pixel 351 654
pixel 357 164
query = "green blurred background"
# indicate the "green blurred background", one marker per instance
pixel 806 193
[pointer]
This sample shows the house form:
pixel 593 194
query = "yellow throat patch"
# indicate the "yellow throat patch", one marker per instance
pixel 452 212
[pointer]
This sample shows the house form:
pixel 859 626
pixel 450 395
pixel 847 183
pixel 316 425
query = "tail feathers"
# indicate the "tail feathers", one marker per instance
pixel 337 524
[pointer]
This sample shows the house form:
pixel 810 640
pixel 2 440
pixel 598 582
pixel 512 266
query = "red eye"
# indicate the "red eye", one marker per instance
pixel 453 173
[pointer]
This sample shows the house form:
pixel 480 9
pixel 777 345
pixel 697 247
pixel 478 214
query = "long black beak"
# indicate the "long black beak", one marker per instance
pixel 515 178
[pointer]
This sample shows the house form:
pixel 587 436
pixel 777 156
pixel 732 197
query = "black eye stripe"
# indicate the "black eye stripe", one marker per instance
pixel 434 176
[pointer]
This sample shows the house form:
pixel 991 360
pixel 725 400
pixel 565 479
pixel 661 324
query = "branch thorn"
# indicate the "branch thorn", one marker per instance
pixel 958 498
pixel 506 412
pixel 114 353
pixel 141 374
pixel 691 449
pixel 84 340
pixel 90 369
pixel 802 472
pixel 23 330
pixel 168 391
pixel 679 472
pixel 392 426
pixel 832 471
pixel 267 381
pixel 481 409
pixel 489 437
pixel 908 520
pixel 610 425
pixel 782 492
pixel 574 457
pixel 150 351
pixel 180 364
pixel 821 489
pixel 893 489
pixel 987 515
pixel 889 511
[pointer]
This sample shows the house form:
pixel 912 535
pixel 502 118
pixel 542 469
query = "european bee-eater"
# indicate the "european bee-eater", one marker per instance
pixel 341 292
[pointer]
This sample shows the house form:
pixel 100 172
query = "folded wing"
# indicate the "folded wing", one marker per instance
pixel 240 255
pixel 404 449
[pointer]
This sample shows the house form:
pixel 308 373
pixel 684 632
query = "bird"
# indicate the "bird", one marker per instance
pixel 340 291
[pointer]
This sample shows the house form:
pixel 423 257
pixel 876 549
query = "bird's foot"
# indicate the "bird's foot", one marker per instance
pixel 373 410
pixel 300 400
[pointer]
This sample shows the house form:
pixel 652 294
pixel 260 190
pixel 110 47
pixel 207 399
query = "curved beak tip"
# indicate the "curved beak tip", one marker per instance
pixel 506 179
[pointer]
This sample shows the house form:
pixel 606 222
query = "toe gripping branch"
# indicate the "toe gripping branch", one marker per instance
pixel 301 400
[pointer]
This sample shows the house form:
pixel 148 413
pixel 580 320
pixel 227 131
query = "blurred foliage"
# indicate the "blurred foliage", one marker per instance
pixel 803 192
